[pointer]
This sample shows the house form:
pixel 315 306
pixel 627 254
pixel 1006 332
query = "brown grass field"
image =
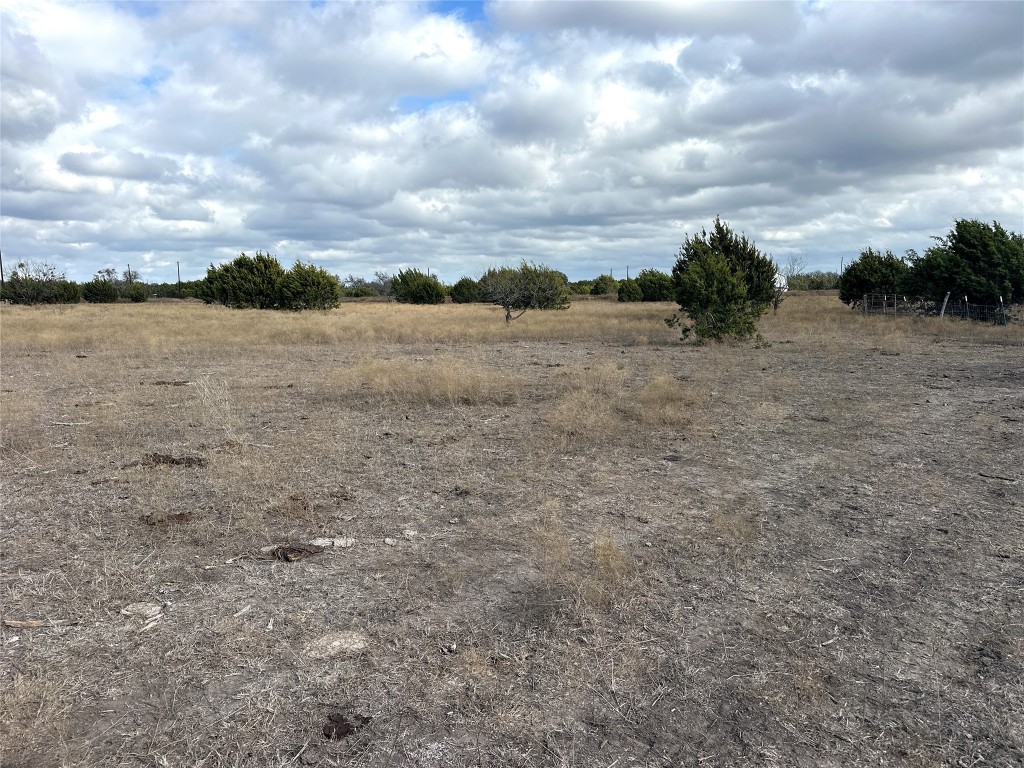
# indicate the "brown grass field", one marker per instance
pixel 575 540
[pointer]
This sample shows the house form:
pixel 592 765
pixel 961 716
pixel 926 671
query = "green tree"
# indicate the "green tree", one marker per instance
pixel 581 287
pixel 100 291
pixel 814 281
pixel 306 286
pixel 466 291
pixel 410 286
pixel 604 285
pixel 629 290
pixel 528 286
pixel 872 272
pixel 247 282
pixel 655 285
pixel 981 261
pixel 723 282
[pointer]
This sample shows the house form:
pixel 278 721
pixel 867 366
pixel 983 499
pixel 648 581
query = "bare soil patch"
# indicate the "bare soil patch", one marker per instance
pixel 468 548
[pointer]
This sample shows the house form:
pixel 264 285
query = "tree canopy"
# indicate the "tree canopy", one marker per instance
pixel 873 272
pixel 528 286
pixel 723 282
pixel 981 261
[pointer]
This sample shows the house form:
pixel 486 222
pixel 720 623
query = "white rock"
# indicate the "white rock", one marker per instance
pixel 337 644
pixel 335 541
pixel 145 611
pixel 391 542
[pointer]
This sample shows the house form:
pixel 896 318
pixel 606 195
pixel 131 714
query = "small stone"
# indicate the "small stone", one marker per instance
pixel 146 611
pixel 409 534
pixel 337 644
pixel 391 542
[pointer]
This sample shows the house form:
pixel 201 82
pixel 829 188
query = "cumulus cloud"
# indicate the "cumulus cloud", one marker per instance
pixel 589 136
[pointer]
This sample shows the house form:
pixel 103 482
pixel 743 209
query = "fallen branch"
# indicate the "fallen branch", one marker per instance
pixel 998 477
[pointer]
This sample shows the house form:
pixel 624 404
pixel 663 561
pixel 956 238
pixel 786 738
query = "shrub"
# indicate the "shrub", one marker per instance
pixel 135 292
pixel 528 286
pixel 66 292
pixel 99 291
pixel 655 285
pixel 723 283
pixel 814 281
pixel 410 286
pixel 581 287
pixel 466 291
pixel 306 286
pixel 873 272
pixel 39 283
pixel 629 290
pixel 246 282
pixel 604 285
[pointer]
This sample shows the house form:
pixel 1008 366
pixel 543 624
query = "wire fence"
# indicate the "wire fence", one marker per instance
pixel 894 304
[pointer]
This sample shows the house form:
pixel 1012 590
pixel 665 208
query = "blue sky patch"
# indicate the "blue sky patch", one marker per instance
pixel 407 105
pixel 152 79
pixel 468 10
pixel 140 8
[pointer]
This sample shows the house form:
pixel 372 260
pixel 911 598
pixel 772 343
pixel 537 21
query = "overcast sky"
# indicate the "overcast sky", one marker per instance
pixel 458 136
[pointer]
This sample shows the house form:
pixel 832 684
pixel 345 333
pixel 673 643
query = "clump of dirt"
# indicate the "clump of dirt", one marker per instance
pixel 167 460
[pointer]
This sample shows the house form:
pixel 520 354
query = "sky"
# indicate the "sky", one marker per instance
pixel 591 137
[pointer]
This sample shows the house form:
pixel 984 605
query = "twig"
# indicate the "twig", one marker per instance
pixel 999 477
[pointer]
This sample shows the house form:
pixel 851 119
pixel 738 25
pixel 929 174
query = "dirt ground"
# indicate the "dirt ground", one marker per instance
pixel 602 553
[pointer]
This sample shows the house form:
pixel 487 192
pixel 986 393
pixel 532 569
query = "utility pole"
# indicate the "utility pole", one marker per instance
pixel 178 265
pixel 1 273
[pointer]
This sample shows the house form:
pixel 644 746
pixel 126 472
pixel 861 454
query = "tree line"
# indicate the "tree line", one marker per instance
pixel 983 262
pixel 721 281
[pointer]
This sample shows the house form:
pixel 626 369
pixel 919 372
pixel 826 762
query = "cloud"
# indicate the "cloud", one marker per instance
pixel 590 136
pixel 119 165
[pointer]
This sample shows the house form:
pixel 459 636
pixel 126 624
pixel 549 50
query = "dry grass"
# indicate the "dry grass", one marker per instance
pixel 823 317
pixel 439 381
pixel 569 547
pixel 158 328
pixel 602 577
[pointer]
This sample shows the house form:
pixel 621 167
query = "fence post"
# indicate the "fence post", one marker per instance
pixel 864 304
pixel 944 301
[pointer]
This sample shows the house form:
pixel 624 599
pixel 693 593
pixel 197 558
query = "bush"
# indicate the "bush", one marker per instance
pixel 98 291
pixel 66 292
pixel 723 283
pixel 604 285
pixel 873 272
pixel 655 285
pixel 466 291
pixel 814 281
pixel 306 286
pixel 360 292
pixel 246 282
pixel 411 286
pixel 581 287
pixel 528 286
pixel 629 290
pixel 135 292
pixel 186 289
pixel 39 283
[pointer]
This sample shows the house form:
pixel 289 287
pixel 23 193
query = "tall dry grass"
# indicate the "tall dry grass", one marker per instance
pixel 164 326
pixel 445 381
pixel 822 317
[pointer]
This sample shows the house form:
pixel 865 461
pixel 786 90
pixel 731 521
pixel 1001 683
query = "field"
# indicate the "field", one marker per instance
pixel 575 540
